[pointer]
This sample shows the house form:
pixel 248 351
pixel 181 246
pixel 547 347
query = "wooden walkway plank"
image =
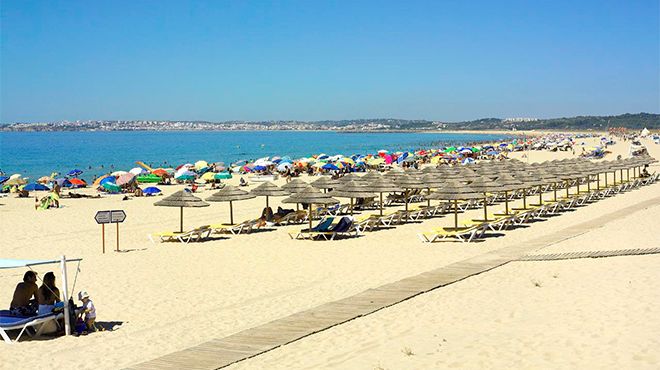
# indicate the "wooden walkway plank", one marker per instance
pixel 218 353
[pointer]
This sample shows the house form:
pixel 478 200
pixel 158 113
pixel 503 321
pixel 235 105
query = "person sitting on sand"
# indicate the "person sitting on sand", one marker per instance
pixel 47 294
pixel 193 187
pixel 645 172
pixel 138 192
pixel 242 182
pixel 23 193
pixel 25 295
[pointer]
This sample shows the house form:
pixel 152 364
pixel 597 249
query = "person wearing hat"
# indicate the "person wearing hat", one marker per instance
pixel 24 301
pixel 88 309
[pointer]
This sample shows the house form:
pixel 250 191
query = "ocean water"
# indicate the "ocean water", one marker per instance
pixel 36 154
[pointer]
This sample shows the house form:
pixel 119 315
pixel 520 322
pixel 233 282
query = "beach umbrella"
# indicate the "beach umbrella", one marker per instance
pixel 371 176
pixel 111 187
pixel 454 190
pixel 311 196
pixel 3 179
pixel 223 176
pixel 230 194
pixel 44 179
pixel 200 165
pixel 125 179
pixel 148 178
pixel 352 189
pixel 118 173
pixel 75 181
pixel 408 182
pixel 74 173
pixel 483 185
pixel 151 190
pixel 431 181
pixel 325 183
pixel 268 189
pixel 284 166
pixel 506 183
pixel 329 166
pixel 181 199
pixel 295 186
pixel 137 171
pixel 208 176
pixel 107 179
pixel 383 185
pixel 15 181
pixel 160 172
pixel 97 182
pixel 35 187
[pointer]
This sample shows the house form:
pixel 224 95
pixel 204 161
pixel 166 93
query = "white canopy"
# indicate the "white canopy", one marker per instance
pixel 6 263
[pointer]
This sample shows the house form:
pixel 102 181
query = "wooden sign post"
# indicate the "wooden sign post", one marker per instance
pixel 109 217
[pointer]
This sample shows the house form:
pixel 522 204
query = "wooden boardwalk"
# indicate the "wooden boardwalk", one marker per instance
pixel 589 254
pixel 251 342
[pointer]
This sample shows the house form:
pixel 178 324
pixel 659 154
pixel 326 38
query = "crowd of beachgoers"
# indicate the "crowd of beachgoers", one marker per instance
pixel 143 179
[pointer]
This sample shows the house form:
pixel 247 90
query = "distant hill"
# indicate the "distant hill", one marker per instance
pixel 632 121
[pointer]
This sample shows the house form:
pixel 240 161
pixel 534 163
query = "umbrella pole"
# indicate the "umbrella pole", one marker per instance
pixel 405 198
pixel 506 203
pixel 231 213
pixel 181 225
pixel 568 185
pixel 554 187
pixel 351 206
pixel 524 198
pixel 540 195
pixel 456 213
pixel 310 219
pixel 485 207
pixel 428 193
pixel 381 203
pixel 266 201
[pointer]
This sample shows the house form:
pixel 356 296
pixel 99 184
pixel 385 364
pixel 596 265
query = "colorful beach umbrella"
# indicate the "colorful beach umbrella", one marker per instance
pixel 77 182
pixel 74 172
pixel 111 187
pixel 222 175
pixel 152 190
pixel 36 187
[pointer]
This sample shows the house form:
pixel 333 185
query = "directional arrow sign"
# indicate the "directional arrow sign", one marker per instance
pixel 117 216
pixel 103 217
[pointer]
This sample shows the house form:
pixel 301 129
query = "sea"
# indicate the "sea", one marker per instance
pixel 36 154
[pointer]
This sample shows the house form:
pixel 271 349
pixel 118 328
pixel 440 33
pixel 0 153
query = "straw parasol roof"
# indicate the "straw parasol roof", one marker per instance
pixel 230 194
pixel 295 186
pixel 454 190
pixel 432 181
pixel 325 183
pixel 371 176
pixel 352 189
pixel 181 199
pixel 310 196
pixel 268 189
pixel 410 182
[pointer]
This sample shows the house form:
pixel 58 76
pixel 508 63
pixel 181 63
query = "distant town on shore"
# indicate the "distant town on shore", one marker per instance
pixel 633 121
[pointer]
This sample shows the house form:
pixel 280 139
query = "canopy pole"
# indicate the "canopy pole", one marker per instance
pixel 351 206
pixel 266 201
pixel 231 213
pixel 506 202
pixel 485 207
pixel 310 220
pixel 381 203
pixel 65 292
pixel 456 213
pixel 181 221
pixel 405 199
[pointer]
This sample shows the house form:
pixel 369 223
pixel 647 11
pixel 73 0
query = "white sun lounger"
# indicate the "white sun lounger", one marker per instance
pixel 10 322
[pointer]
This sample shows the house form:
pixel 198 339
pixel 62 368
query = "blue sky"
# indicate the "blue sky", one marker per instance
pixel 314 60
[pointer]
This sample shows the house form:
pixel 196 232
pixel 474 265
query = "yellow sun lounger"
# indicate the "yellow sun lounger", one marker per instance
pixel 185 237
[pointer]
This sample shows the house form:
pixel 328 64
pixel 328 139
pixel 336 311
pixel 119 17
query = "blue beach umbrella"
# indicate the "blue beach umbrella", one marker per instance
pixel 3 179
pixel 258 168
pixel 74 173
pixel 106 180
pixel 330 166
pixel 151 190
pixel 35 187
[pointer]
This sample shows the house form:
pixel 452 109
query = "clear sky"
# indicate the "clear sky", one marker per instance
pixel 314 60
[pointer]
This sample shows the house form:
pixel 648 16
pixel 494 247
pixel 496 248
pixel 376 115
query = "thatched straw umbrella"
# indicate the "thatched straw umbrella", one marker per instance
pixel 381 186
pixel 371 176
pixel 431 181
pixel 181 199
pixel 325 183
pixel 529 180
pixel 311 196
pixel 268 189
pixel 230 194
pixel 408 183
pixel 454 190
pixel 295 186
pixel 352 189
pixel 507 183
pixel 484 185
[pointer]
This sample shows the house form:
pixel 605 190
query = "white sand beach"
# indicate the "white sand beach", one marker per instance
pixel 165 297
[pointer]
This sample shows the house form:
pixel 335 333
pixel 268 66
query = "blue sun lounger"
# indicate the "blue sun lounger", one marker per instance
pixel 10 322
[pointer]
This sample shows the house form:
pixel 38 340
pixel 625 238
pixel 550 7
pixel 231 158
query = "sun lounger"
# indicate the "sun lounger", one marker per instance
pixel 244 227
pixel 463 234
pixel 366 223
pixel 324 225
pixel 10 322
pixel 345 226
pixel 185 237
